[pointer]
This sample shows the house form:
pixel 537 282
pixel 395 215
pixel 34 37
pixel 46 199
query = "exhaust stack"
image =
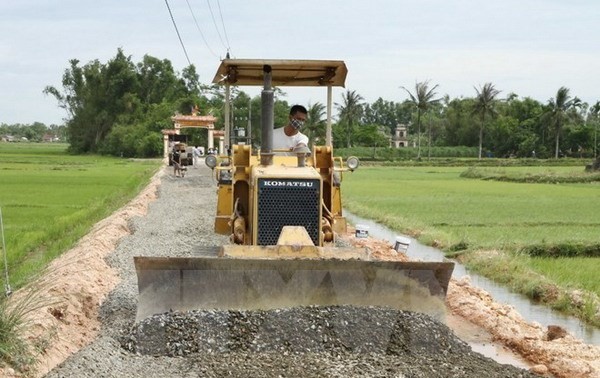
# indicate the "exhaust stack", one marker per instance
pixel 268 117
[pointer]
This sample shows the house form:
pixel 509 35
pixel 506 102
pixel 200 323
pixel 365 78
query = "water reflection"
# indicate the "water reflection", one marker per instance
pixel 530 311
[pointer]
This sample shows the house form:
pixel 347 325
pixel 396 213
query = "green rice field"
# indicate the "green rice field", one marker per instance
pixel 49 199
pixel 482 213
pixel 439 207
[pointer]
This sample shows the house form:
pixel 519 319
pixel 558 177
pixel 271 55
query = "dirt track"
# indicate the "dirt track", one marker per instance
pixel 82 279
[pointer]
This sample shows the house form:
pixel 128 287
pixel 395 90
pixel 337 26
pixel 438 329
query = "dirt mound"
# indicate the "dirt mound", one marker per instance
pixel 563 356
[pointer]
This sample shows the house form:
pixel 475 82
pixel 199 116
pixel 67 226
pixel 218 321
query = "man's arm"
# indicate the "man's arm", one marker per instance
pixel 302 141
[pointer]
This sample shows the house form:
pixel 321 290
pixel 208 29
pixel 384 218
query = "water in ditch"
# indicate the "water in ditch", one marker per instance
pixel 529 310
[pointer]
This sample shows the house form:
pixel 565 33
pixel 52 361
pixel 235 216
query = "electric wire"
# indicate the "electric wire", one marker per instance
pixel 223 24
pixel 178 35
pixel 199 30
pixel 215 23
pixel 7 289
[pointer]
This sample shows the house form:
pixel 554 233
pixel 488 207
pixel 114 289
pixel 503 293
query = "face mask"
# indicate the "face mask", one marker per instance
pixel 296 124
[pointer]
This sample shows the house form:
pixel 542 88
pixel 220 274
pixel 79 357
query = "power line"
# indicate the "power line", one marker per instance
pixel 178 35
pixel 215 23
pixel 198 27
pixel 223 24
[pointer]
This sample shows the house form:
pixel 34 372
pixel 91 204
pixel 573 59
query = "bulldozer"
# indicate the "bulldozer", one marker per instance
pixel 284 218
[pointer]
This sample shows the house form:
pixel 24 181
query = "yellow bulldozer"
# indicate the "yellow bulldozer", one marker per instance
pixel 284 215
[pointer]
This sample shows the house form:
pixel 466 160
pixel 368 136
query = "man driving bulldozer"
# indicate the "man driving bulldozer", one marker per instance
pixel 281 214
pixel 289 136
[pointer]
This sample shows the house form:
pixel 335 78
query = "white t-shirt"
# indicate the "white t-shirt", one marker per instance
pixel 282 141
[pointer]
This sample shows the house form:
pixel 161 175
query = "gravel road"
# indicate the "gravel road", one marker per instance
pixel 300 342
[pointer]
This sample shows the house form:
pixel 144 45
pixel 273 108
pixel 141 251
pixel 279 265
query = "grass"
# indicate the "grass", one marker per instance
pixel 569 285
pixel 547 176
pixel 480 213
pixel 561 270
pixel 49 200
pixel 442 206
pixel 13 350
pixel 14 322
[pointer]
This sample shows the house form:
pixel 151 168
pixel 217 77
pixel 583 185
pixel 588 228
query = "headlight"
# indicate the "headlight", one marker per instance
pixel 211 161
pixel 352 163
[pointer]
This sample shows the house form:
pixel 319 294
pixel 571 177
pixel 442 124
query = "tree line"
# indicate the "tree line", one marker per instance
pixel 34 132
pixel 120 107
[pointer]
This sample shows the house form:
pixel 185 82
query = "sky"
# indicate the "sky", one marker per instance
pixel 527 47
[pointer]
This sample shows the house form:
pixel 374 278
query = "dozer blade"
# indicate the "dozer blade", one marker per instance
pixel 167 283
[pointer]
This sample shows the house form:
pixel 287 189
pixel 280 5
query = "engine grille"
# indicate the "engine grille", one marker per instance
pixel 287 202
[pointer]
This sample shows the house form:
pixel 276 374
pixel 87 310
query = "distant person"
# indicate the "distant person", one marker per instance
pixel 176 159
pixel 196 153
pixel 289 136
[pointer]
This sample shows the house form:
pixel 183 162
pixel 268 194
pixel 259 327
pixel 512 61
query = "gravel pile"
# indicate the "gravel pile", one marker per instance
pixel 334 330
pixel 300 342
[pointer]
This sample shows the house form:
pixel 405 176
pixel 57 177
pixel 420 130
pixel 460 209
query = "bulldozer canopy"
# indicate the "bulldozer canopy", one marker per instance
pixel 296 73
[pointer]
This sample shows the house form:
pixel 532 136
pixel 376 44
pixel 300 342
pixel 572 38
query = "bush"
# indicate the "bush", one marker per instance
pixel 405 153
pixel 544 178
pixel 460 246
pixel 132 141
pixel 562 250
pixel 150 145
pixel 14 351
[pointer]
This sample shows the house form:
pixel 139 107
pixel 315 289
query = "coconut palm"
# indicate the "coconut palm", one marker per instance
pixel 485 103
pixel 595 115
pixel 350 111
pixel 558 113
pixel 314 127
pixel 422 99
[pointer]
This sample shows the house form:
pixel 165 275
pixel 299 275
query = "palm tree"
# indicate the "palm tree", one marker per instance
pixel 595 115
pixel 350 111
pixel 422 100
pixel 557 113
pixel 485 103
pixel 433 122
pixel 314 127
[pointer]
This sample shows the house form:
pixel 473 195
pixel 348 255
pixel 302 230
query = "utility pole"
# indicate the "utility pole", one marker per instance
pixel 250 123
pixel 596 140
